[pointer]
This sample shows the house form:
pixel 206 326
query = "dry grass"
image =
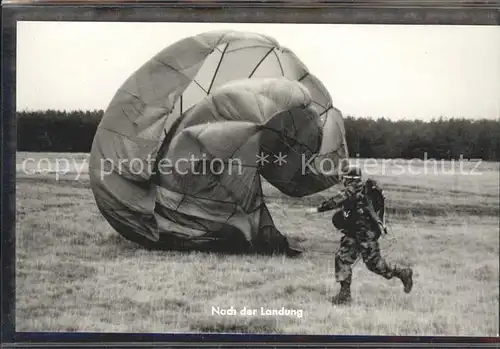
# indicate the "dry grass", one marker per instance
pixel 74 273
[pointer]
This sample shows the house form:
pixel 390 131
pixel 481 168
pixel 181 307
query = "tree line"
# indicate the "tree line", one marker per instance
pixel 437 139
pixel 73 131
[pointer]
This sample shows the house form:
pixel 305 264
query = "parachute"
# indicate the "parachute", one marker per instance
pixel 183 147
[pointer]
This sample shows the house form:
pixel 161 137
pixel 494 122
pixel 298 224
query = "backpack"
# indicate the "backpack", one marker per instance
pixel 376 204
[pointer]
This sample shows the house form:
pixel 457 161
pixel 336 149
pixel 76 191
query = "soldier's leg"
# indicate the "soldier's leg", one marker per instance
pixel 370 251
pixel 345 257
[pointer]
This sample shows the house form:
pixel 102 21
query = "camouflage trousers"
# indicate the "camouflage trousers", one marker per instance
pixel 364 242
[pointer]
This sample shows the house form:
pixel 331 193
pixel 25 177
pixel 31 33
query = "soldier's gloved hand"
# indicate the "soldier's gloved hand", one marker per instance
pixel 351 191
pixel 325 206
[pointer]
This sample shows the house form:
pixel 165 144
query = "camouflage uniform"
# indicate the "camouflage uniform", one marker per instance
pixel 360 237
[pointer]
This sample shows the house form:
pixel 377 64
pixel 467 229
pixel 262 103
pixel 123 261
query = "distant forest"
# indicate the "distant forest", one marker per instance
pixel 73 131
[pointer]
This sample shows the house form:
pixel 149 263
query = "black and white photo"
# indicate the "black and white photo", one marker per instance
pixel 320 179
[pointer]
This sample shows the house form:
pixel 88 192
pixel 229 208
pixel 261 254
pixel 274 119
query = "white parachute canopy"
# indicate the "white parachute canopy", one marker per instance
pixel 177 151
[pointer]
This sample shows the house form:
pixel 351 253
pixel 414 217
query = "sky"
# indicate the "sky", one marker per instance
pixel 392 71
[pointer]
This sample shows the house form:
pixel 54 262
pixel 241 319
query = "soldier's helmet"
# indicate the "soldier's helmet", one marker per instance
pixel 352 172
pixel 352 178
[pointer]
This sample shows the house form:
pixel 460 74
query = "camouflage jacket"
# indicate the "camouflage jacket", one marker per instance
pixel 365 201
pixel 347 198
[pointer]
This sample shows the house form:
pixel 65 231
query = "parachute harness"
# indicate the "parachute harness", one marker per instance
pixel 385 230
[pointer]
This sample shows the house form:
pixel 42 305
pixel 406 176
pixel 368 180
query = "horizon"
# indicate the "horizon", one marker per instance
pixel 433 119
pixel 396 72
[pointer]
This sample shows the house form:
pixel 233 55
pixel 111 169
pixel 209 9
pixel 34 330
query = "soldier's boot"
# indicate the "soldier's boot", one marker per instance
pixel 344 295
pixel 406 276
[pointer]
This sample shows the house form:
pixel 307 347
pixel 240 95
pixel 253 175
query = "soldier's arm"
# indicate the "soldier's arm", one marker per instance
pixel 336 201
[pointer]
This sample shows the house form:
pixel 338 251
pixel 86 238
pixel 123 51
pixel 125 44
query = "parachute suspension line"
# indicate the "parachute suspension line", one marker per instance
pixel 303 76
pixel 163 148
pixel 292 119
pixel 181 104
pixel 325 111
pixel 184 195
pixel 279 62
pixel 200 197
pixel 219 184
pixel 392 241
pixel 196 223
pixel 217 69
pixel 260 62
pixel 126 114
pixel 201 87
pixel 132 95
pixel 293 139
pixel 235 210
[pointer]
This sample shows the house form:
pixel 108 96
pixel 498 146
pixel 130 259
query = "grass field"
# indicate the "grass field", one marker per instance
pixel 74 273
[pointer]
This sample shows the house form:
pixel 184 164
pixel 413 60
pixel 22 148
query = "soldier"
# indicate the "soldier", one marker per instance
pixel 361 221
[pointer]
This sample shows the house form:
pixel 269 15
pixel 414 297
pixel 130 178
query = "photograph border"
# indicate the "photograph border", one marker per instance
pixel 362 12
